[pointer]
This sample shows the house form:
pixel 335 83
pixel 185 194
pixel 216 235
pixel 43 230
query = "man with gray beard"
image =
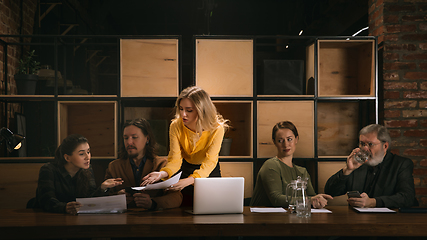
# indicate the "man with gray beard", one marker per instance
pixel 384 179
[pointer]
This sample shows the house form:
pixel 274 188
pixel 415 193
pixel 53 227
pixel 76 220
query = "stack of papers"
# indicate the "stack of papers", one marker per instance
pixel 117 203
pixel 322 210
pixel 279 209
pixel 374 210
pixel 268 210
pixel 109 204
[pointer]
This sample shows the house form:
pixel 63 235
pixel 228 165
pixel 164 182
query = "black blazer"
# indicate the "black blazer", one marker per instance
pixel 394 187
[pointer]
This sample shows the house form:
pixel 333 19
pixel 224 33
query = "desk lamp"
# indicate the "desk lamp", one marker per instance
pixel 13 141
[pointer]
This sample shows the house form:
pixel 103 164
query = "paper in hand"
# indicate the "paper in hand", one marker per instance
pixel 160 185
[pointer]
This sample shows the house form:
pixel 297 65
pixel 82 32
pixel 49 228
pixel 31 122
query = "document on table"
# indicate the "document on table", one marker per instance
pixel 160 185
pixel 374 210
pixel 108 204
pixel 321 210
pixel 268 210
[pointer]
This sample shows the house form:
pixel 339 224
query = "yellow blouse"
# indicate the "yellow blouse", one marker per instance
pixel 185 144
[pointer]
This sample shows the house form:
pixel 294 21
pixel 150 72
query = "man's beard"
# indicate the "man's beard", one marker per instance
pixel 377 159
pixel 132 155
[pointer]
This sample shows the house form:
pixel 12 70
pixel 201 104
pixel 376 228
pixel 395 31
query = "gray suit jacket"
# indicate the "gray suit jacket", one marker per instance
pixel 394 187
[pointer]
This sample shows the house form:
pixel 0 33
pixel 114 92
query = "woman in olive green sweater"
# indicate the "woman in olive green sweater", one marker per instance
pixel 277 172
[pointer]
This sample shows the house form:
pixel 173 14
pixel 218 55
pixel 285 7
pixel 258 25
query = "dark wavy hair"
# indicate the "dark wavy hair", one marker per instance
pixel 68 145
pixel 150 148
pixel 283 125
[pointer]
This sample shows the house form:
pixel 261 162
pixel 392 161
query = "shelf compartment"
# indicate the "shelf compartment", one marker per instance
pixel 224 67
pixel 240 169
pixel 283 67
pixel 149 67
pixel 159 119
pixel 346 67
pixel 300 113
pixel 87 69
pixel 240 115
pixel 338 128
pixel 96 120
pixel 34 120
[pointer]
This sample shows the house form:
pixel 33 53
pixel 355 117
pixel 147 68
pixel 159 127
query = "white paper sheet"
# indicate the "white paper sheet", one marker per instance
pixel 108 204
pixel 268 210
pixel 322 210
pixel 374 210
pixel 160 185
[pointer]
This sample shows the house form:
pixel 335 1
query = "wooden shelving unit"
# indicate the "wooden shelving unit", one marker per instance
pixel 326 86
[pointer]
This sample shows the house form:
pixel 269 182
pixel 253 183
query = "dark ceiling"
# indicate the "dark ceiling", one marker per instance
pixel 205 17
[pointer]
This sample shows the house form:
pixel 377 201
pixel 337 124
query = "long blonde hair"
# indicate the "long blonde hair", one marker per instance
pixel 208 117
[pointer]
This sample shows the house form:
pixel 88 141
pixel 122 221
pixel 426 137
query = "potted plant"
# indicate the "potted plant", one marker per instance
pixel 26 78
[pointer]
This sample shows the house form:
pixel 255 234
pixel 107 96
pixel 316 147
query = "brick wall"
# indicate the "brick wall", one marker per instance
pixel 401 28
pixel 10 24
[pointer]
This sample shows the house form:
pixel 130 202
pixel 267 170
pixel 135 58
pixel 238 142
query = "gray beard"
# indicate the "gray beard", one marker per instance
pixel 375 160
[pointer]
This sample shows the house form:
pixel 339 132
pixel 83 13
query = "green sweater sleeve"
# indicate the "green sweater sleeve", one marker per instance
pixel 273 185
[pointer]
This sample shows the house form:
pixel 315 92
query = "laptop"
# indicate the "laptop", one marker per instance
pixel 217 195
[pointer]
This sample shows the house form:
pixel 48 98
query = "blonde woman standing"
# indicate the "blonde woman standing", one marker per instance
pixel 196 135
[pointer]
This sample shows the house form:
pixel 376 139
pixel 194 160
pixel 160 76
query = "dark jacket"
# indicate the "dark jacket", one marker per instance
pixel 56 188
pixel 394 187
pixel 121 168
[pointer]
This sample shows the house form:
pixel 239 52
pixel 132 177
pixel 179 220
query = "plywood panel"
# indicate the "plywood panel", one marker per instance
pixel 346 67
pixel 337 128
pixel 225 67
pixel 239 169
pixel 325 171
pixel 301 113
pixel 240 116
pixel 366 70
pixel 94 120
pixel 149 67
pixel 18 183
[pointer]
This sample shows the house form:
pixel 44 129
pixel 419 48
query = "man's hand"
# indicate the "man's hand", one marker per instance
pixel 73 207
pixel 143 200
pixel 320 200
pixel 364 201
pixel 351 163
pixel 129 197
pixel 181 184
pixel 153 177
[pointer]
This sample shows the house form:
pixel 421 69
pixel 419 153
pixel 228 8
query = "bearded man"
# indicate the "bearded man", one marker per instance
pixel 384 179
pixel 137 159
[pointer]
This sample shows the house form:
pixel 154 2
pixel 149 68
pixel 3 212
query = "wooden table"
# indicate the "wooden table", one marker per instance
pixel 27 224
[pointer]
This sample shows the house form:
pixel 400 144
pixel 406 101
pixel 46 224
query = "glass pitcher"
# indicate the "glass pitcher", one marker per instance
pixel 296 190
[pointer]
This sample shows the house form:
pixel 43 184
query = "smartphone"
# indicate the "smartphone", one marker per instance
pixel 353 194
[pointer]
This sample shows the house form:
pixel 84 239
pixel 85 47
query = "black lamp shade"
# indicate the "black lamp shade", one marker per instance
pixel 12 140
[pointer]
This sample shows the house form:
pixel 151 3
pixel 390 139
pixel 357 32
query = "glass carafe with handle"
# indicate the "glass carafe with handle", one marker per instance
pixel 296 190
